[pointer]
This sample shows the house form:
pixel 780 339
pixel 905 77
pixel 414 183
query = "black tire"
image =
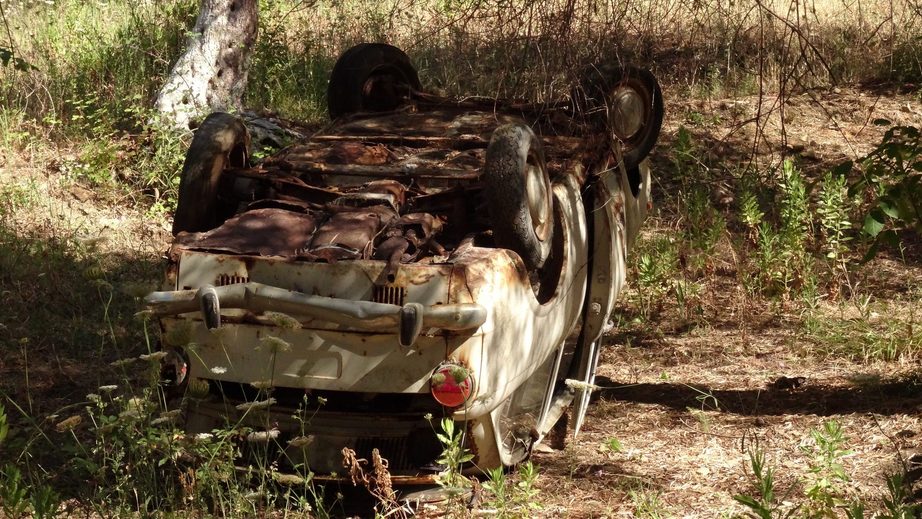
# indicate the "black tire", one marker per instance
pixel 595 99
pixel 220 142
pixel 517 190
pixel 370 77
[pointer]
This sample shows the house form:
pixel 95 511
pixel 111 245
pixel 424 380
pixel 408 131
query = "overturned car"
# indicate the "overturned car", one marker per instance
pixel 420 256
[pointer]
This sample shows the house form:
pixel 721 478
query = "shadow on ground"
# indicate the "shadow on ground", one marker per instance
pixel 893 396
pixel 67 311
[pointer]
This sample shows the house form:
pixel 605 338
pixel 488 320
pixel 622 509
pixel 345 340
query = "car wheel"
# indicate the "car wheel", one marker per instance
pixel 517 190
pixel 370 77
pixel 220 142
pixel 627 103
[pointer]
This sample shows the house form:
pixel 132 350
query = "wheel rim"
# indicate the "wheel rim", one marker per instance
pixel 537 192
pixel 630 110
pixel 627 113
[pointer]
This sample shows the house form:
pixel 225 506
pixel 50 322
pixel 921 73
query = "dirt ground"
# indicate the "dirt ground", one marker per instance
pixel 686 404
pixel 689 404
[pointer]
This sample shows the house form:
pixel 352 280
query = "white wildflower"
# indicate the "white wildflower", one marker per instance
pixel 130 414
pixel 291 480
pixel 163 420
pixel 300 441
pixel 274 344
pixel 156 356
pixel 283 320
pixel 107 389
pixel 172 413
pixel 254 496
pixel 219 370
pixel 258 404
pixel 262 384
pixel 262 436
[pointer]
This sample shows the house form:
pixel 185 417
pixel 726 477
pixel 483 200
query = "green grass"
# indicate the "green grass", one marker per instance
pixel 868 330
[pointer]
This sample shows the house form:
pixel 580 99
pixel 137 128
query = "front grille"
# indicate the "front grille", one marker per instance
pixel 230 279
pixel 389 294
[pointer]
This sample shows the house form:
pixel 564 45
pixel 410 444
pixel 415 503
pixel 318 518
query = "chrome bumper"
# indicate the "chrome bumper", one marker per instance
pixel 407 320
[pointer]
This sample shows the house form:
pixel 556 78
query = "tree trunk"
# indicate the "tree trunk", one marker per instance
pixel 212 73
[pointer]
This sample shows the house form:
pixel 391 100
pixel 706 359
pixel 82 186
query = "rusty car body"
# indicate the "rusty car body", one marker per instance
pixel 349 288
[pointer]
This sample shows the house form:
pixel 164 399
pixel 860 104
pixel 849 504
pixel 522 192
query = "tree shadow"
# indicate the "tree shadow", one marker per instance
pixel 68 312
pixel 886 397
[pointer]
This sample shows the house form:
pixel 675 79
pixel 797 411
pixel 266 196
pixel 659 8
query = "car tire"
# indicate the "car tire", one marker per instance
pixel 220 142
pixel 370 77
pixel 602 89
pixel 517 190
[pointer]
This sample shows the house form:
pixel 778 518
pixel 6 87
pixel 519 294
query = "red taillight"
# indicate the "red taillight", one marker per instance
pixel 451 385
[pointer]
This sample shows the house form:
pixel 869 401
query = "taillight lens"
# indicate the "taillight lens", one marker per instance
pixel 451 385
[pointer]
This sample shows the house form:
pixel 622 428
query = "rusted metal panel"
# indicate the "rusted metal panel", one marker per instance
pixel 260 232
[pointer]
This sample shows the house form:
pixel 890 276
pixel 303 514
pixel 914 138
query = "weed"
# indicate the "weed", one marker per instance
pixel 656 263
pixel 833 208
pixel 647 504
pixel 614 445
pixel 704 421
pixel 46 503
pixel 823 492
pixel 519 499
pixel 454 455
pixel 705 226
pixel 898 501
pixel 497 485
pixel 765 504
pixel 783 266
pixel 13 492
pixel 826 474
pixel 750 213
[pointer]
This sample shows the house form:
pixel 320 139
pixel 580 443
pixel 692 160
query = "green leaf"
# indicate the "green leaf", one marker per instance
pixel 888 208
pixel 756 506
pixel 873 223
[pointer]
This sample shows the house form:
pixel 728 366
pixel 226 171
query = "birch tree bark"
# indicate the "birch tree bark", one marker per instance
pixel 212 73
